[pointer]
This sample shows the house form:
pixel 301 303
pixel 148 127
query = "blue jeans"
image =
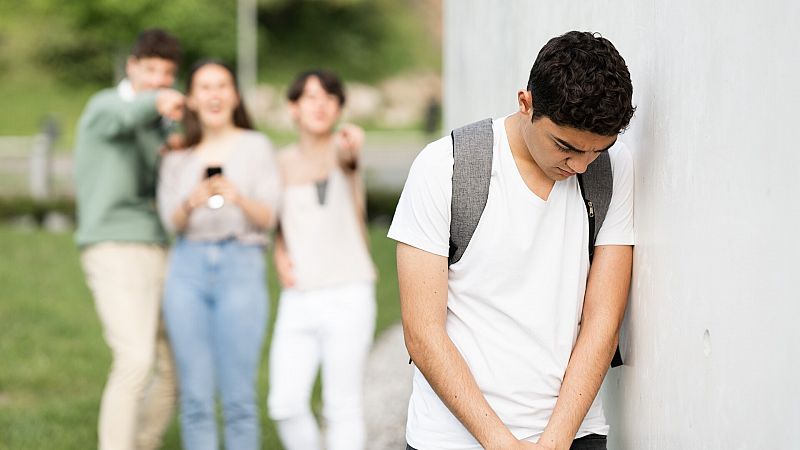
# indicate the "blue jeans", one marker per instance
pixel 215 310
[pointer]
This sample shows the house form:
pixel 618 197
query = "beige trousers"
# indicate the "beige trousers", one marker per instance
pixel 139 397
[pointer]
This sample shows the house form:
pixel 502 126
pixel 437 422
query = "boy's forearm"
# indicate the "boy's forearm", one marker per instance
pixel 604 308
pixel 423 300
pixel 587 367
pixel 449 376
pixel 115 116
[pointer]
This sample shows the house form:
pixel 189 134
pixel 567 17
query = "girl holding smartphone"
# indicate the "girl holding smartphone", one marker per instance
pixel 220 197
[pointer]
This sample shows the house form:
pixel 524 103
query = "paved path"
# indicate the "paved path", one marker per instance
pixel 387 386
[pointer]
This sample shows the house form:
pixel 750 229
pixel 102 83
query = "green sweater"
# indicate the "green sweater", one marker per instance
pixel 116 156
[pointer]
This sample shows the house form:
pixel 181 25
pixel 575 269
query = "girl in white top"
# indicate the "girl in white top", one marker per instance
pixel 326 314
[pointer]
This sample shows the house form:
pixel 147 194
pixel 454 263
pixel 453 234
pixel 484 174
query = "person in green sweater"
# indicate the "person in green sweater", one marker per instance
pixel 120 136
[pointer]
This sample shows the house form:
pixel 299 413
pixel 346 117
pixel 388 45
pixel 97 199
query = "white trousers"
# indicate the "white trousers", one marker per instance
pixel 333 328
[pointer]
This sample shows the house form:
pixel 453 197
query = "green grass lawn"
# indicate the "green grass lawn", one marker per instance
pixel 53 361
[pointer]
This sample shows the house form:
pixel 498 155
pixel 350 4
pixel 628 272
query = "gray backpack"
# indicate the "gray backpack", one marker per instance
pixel 472 170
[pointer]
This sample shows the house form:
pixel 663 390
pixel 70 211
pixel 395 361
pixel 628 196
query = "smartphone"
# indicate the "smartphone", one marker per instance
pixel 211 171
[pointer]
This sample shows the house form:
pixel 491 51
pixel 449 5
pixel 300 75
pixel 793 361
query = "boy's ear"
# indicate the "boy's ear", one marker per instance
pixel 525 101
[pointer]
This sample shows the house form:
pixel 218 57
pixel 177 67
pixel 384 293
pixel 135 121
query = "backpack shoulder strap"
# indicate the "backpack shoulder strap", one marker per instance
pixel 597 187
pixel 472 170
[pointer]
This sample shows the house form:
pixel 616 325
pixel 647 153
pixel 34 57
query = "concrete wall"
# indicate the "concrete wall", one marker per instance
pixel 712 333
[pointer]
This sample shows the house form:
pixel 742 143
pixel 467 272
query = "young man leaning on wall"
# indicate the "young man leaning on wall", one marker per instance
pixel 513 333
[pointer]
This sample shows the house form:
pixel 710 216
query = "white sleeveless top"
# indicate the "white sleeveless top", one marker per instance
pixel 324 239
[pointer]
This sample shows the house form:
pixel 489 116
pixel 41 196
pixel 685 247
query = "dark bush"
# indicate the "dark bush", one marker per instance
pixel 381 205
pixel 12 207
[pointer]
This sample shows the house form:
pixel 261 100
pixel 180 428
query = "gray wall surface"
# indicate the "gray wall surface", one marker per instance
pixel 712 332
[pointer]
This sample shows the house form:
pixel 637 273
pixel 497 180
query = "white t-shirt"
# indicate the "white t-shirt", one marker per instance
pixel 515 297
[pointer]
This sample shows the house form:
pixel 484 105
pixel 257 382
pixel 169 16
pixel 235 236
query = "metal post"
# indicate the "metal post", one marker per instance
pixel 39 168
pixel 41 159
pixel 247 50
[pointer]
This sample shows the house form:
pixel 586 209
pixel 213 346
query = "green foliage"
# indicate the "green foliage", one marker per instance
pixel 99 33
pixel 362 40
pixel 29 91
pixel 54 359
pixel 55 53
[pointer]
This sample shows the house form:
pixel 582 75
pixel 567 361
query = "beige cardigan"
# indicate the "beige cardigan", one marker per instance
pixel 252 167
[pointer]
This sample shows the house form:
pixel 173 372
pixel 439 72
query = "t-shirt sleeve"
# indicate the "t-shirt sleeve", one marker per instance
pixel 422 218
pixel 617 227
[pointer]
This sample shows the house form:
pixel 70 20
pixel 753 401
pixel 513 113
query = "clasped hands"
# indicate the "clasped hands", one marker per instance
pixel 215 185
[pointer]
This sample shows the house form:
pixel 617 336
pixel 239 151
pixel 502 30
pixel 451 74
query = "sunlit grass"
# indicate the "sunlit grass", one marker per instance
pixel 54 361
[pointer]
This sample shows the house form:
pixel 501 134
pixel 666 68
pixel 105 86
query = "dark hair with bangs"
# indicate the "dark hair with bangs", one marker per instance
pixel 192 128
pixel 157 43
pixel 581 81
pixel 329 81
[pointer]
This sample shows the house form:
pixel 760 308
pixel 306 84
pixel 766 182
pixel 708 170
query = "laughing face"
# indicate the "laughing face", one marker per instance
pixel 213 96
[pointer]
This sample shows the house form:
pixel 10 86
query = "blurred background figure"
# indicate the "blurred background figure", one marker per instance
pixel 55 55
pixel 326 314
pixel 220 197
pixel 122 242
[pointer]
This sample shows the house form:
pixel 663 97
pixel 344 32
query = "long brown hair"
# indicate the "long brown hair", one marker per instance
pixel 191 123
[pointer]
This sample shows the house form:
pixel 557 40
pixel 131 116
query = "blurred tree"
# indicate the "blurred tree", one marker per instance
pixel 98 33
pixel 362 39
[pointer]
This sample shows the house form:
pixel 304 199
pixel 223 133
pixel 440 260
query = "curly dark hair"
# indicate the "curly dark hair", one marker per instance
pixel 579 80
pixel 157 43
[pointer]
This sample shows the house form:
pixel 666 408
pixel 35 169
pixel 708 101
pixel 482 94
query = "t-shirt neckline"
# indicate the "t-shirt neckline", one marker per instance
pixel 507 159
